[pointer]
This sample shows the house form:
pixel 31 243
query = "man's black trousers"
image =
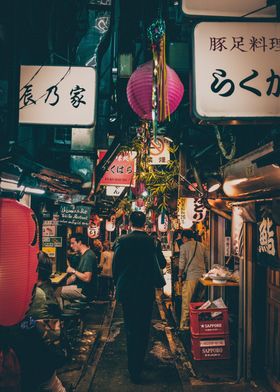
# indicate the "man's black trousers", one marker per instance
pixel 137 321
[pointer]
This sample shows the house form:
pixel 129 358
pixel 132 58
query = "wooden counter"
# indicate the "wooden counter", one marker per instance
pixel 209 283
pixel 58 277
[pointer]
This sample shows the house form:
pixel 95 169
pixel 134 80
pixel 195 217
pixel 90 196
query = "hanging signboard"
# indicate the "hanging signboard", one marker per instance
pixel 70 214
pixel 159 151
pixel 57 95
pixel 195 209
pixel 267 249
pixel 236 70
pixel 237 230
pixel 227 246
pixel 121 172
pixel 232 8
pixel 182 213
pixel 114 190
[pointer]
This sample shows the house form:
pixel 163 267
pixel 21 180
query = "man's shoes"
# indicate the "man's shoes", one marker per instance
pixel 135 378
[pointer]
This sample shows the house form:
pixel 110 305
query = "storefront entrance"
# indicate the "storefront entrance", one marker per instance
pixel 273 329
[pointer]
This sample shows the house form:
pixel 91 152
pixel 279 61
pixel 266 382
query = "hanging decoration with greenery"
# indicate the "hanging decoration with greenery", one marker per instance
pixel 160 182
pixel 160 103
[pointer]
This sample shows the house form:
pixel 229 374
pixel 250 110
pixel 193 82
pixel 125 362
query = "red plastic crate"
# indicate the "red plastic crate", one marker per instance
pixel 211 348
pixel 202 324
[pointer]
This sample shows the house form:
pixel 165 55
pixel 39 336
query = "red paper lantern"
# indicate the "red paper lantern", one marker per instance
pixel 139 90
pixel 18 260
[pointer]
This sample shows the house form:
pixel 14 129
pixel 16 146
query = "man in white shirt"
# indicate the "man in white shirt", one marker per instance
pixel 192 262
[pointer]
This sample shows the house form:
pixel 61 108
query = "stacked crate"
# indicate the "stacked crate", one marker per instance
pixel 209 332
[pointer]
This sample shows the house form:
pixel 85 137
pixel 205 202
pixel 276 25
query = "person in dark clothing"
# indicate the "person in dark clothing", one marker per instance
pixel 123 232
pixel 82 283
pixel 136 273
pixel 160 256
pixel 45 284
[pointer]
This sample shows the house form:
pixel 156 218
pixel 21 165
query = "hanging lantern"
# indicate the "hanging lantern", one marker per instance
pixel 111 223
pixel 196 211
pixel 139 90
pixel 182 213
pixel 93 231
pixel 18 260
pixel 163 223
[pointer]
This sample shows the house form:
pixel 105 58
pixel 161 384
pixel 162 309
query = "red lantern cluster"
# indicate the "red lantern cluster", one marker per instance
pixel 18 260
pixel 139 90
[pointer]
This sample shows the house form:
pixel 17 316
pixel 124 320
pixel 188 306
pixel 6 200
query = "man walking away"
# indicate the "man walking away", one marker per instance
pixel 136 274
pixel 192 263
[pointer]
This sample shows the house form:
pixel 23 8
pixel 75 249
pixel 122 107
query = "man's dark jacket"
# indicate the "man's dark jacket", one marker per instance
pixel 136 271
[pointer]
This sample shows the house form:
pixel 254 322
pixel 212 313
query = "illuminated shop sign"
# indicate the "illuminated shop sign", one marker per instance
pixel 57 95
pixel 232 8
pixel 122 170
pixel 236 70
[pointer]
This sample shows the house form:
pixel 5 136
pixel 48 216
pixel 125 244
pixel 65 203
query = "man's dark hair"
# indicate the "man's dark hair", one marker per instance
pixel 187 233
pixel 137 218
pixel 80 237
pixel 44 266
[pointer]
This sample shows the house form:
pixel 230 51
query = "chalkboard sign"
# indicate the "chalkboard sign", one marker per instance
pixel 70 214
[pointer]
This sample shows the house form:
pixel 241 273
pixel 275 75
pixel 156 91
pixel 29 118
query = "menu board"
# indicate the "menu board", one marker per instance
pixel 70 214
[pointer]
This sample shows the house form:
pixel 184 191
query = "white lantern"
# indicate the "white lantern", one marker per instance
pixel 93 231
pixel 110 226
pixel 184 220
pixel 162 227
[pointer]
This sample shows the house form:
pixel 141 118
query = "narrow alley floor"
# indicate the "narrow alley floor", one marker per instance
pixel 100 363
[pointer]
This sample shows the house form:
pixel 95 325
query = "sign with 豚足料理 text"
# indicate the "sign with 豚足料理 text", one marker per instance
pixel 57 95
pixel 69 214
pixel 236 70
pixel 232 8
pixel 121 172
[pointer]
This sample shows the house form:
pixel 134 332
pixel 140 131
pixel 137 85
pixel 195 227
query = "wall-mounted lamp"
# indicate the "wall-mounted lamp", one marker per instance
pixel 213 184
pixel 13 187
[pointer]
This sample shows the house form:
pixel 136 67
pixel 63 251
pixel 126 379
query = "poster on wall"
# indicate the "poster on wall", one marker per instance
pixel 236 70
pixel 267 249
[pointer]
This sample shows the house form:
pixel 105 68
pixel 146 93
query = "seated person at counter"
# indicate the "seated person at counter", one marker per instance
pixel 82 282
pixel 44 303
